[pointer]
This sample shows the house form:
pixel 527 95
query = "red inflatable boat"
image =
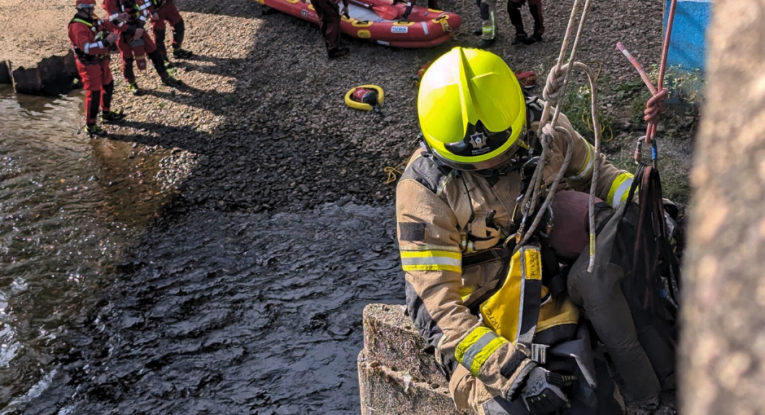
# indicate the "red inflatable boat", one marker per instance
pixel 423 27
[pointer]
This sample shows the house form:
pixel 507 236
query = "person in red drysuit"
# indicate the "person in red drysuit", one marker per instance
pixel 134 43
pixel 90 40
pixel 329 23
pixel 514 10
pixel 164 11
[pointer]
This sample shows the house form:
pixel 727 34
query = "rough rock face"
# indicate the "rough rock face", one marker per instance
pixel 52 75
pixel 723 367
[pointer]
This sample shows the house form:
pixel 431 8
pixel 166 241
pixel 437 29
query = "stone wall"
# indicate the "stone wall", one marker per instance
pixel 395 375
pixel 723 365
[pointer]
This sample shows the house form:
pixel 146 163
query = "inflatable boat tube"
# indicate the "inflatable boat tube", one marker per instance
pixel 424 27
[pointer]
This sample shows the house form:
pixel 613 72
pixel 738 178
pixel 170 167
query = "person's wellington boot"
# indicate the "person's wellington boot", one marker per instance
pixel 95 131
pixel 338 53
pixel 135 90
pixel 520 37
pixel 486 43
pixel 111 117
pixel 182 53
pixel 536 37
pixel 170 81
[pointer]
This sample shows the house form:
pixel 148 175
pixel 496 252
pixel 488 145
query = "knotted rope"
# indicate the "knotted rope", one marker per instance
pixel 554 92
pixel 555 80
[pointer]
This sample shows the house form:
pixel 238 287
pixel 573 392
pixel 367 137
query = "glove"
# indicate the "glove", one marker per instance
pixel 542 393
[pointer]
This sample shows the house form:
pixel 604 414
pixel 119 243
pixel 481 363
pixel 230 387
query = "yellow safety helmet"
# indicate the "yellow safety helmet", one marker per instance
pixel 471 109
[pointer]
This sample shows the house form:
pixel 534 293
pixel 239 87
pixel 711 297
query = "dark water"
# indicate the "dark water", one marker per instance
pixel 113 303
pixel 68 205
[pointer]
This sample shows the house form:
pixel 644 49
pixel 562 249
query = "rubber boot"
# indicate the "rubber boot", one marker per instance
pixel 112 117
pixel 486 43
pixel 338 53
pixel 134 89
pixel 520 37
pixel 94 130
pixel 180 53
pixel 170 81
pixel 536 37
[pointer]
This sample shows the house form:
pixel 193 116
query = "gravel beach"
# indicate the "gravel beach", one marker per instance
pixel 262 117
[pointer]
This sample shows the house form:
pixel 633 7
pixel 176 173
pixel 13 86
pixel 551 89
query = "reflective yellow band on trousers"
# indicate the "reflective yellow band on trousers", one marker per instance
pixel 477 347
pixel 620 189
pixel 433 260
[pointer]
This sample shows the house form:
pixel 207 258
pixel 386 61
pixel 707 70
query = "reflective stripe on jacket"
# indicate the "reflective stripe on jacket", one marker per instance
pixel 87 38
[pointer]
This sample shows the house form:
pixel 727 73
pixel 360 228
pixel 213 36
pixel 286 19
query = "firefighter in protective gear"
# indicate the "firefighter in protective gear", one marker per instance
pixel 488 30
pixel 90 41
pixel 456 203
pixel 163 12
pixel 134 43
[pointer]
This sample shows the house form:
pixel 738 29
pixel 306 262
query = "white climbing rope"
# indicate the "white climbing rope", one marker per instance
pixel 555 91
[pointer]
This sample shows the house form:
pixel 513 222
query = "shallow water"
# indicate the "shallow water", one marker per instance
pixel 196 312
pixel 68 207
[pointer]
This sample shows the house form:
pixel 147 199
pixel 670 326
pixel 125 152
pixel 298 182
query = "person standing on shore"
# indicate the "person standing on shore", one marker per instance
pixel 488 30
pixel 90 40
pixel 134 43
pixel 165 11
pixel 514 10
pixel 329 24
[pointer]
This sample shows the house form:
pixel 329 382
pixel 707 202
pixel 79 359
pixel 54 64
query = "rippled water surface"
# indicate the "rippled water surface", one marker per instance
pixel 109 306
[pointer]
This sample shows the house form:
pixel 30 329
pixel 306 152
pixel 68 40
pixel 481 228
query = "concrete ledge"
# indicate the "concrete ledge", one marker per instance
pixel 396 375
pixel 385 391
pixel 391 339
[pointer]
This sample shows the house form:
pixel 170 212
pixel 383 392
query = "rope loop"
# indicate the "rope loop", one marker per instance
pixel 555 81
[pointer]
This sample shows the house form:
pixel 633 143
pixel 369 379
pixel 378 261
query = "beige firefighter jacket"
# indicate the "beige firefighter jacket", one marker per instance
pixel 443 214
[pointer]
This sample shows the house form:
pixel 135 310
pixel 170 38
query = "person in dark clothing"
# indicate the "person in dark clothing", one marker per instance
pixel 329 23
pixel 514 10
pixel 165 12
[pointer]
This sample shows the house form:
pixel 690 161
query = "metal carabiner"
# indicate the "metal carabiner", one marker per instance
pixel 654 152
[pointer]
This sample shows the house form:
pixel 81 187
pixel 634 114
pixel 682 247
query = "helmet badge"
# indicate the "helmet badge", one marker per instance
pixel 478 140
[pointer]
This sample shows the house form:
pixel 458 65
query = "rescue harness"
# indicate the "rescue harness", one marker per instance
pixel 100 34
